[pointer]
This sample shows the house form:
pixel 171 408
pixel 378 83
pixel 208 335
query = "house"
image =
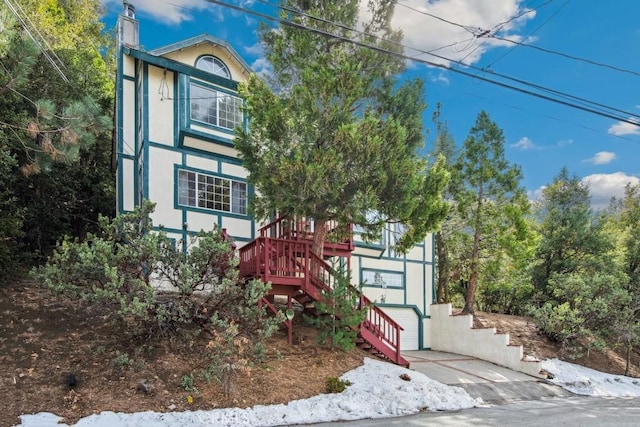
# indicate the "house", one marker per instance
pixel 177 108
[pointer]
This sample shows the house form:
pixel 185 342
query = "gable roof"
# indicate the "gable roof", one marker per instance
pixel 202 38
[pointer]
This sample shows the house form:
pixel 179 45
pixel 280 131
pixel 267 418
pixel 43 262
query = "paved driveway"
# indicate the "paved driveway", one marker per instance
pixel 492 383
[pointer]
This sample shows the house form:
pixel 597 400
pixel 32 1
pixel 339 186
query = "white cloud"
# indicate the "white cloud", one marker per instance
pixel 175 12
pixel 535 195
pixel 624 128
pixel 262 67
pixel 602 158
pixel 565 142
pixel 524 143
pixel 602 187
pixel 457 42
pixel 605 186
pixel 440 78
pixel 170 13
pixel 255 49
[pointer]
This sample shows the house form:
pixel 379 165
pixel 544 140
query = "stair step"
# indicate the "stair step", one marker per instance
pixel 290 259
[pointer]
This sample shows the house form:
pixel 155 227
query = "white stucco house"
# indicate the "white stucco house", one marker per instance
pixel 177 108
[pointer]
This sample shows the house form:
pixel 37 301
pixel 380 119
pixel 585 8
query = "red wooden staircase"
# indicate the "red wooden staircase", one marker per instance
pixel 282 255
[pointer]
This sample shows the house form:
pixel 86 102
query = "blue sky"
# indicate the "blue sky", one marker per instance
pixel 541 136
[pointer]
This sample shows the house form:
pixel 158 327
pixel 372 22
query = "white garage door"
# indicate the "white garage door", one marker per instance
pixel 408 319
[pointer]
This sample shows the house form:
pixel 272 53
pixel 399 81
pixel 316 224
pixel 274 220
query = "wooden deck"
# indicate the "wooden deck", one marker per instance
pixel 282 255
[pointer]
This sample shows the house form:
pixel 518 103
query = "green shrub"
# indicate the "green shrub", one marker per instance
pixel 336 385
pixel 508 298
pixel 121 360
pixel 11 216
pixel 559 323
pixel 339 314
pixel 122 265
pixel 188 383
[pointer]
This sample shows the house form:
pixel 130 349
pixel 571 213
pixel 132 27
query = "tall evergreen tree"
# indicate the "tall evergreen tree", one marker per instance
pixel 445 238
pixel 489 199
pixel 53 118
pixel 625 216
pixel 577 274
pixel 335 135
pixel 570 236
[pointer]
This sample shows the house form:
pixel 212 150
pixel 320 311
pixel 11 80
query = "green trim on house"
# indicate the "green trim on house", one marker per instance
pixel 181 68
pixel 183 212
pixel 202 38
pixel 198 153
pixel 420 315
pixel 381 270
pixel 207 137
pixel 212 212
pixel 145 133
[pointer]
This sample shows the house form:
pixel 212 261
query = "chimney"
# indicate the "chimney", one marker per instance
pixel 129 10
pixel 128 27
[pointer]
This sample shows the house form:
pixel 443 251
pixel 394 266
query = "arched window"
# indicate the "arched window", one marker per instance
pixel 213 65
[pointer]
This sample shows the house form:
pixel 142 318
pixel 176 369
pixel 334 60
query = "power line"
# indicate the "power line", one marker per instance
pixel 568 56
pixel 33 38
pixel 583 104
pixel 516 107
pixel 501 25
pixel 491 34
pixel 477 32
pixel 545 22
pixel 469 28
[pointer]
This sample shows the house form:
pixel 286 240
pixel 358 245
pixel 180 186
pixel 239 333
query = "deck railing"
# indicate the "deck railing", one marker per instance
pixel 383 326
pixel 303 229
pixel 291 262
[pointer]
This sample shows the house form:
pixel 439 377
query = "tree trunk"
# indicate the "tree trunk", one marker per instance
pixel 628 364
pixel 319 237
pixel 473 276
pixel 442 291
pixel 475 256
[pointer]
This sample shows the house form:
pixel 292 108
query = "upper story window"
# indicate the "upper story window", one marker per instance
pixel 213 65
pixel 214 107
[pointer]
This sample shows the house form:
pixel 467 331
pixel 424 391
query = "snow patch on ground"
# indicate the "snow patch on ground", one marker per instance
pixel 377 391
pixel 580 380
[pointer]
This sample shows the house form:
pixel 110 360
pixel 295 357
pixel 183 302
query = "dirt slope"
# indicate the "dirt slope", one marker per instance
pixel 522 331
pixel 44 339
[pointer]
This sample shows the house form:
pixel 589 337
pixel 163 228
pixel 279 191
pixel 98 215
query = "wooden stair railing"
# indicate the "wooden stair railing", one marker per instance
pixel 287 262
pixel 377 330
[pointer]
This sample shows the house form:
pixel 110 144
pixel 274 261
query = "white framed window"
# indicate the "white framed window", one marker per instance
pixel 211 192
pixel 383 279
pixel 213 65
pixel 213 107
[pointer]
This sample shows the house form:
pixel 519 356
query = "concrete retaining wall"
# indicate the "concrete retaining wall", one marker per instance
pixel 455 334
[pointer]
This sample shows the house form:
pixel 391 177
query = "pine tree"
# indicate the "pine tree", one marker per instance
pixel 578 274
pixel 334 135
pixel 445 237
pixel 488 197
pixel 56 122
